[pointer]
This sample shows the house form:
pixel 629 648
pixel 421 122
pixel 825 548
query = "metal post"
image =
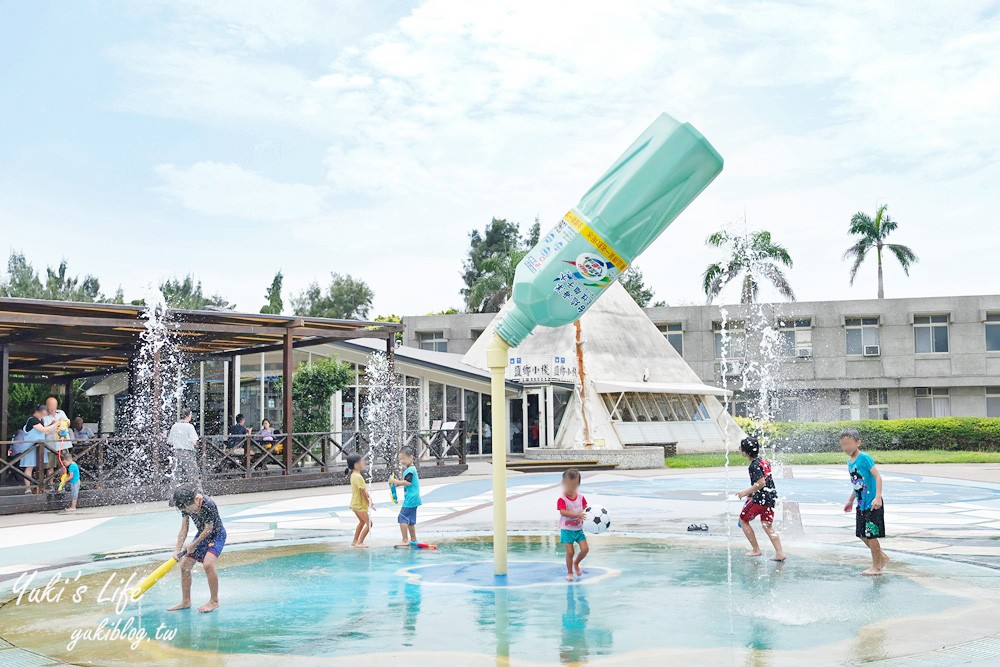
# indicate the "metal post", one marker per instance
pixel 4 397
pixel 201 398
pixel 286 389
pixel 263 402
pixel 68 400
pixel 234 382
pixel 226 365
pixel 496 359
pixel 4 390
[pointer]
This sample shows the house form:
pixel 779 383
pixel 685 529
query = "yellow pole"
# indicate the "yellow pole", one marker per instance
pixel 496 359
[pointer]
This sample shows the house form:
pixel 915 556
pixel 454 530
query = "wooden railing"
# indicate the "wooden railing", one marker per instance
pixel 113 463
pixel 103 461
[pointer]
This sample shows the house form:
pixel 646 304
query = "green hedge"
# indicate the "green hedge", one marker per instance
pixel 973 434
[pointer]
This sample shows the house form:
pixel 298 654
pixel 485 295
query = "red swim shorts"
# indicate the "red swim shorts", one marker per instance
pixel 752 510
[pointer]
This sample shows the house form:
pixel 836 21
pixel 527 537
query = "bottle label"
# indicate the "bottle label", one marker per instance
pixel 589 263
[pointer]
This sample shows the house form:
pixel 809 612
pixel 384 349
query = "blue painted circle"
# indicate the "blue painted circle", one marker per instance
pixel 479 574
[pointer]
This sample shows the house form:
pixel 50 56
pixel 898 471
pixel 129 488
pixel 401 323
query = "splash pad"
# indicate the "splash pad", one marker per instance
pixel 307 602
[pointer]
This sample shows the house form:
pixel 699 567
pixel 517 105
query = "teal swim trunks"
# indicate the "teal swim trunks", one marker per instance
pixel 571 536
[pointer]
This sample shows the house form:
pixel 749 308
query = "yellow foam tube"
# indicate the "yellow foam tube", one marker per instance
pixel 156 575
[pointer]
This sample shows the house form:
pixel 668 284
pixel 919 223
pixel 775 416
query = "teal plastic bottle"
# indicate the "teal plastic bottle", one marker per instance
pixel 629 206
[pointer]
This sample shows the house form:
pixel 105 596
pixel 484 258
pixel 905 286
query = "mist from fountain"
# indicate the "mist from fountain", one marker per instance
pixel 751 360
pixel 157 374
pixel 382 417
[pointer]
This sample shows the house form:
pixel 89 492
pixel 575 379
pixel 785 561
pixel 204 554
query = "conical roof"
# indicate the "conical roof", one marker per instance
pixel 623 352
pixel 620 343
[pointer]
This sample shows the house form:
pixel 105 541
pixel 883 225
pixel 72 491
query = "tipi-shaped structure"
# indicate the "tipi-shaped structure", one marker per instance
pixel 630 386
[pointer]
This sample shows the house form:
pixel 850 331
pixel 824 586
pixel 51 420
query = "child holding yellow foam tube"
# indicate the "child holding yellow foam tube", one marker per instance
pixel 411 497
pixel 205 548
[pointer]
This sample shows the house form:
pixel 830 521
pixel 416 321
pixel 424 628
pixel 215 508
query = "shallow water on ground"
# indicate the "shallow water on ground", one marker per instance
pixel 323 600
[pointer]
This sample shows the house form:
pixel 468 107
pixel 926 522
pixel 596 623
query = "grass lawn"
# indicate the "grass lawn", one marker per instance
pixel 821 458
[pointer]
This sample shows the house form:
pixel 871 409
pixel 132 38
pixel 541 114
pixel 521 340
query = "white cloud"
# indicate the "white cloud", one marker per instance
pixel 460 111
pixel 229 191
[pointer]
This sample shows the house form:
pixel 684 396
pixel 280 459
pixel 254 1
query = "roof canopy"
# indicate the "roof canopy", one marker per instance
pixel 63 340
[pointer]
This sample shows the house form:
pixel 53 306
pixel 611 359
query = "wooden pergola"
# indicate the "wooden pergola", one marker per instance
pixel 57 342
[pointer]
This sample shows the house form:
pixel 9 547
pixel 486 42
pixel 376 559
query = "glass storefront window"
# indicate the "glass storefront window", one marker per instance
pixel 654 407
pixel 472 399
pixel 412 408
pixel 215 383
pixel 487 419
pixel 348 410
pixel 436 402
pixel 453 404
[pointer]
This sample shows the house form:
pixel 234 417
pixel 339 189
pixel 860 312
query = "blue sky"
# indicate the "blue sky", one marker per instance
pixel 141 140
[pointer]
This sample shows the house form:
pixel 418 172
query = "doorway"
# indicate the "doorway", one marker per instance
pixel 530 421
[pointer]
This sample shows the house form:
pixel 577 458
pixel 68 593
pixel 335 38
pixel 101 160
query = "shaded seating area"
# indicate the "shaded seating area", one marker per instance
pixel 55 343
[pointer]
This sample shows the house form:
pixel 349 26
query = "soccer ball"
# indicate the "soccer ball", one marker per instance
pixel 598 520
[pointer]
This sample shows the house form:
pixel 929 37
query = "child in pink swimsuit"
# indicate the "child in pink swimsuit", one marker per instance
pixel 571 506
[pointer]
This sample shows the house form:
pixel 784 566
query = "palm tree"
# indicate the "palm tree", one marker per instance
pixel 494 286
pixel 873 233
pixel 756 256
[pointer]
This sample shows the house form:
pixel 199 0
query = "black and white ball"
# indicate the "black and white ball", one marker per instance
pixel 598 520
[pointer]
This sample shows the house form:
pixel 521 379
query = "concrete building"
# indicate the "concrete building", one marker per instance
pixel 837 360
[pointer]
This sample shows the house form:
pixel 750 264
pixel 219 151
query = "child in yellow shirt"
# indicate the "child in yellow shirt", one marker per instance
pixel 361 502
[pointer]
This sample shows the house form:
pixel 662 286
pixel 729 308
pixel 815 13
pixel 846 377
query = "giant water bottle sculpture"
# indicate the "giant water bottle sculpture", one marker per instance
pixel 629 206
pixel 571 266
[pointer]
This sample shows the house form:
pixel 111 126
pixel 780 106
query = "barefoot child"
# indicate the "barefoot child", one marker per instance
pixel 73 470
pixel 869 522
pixel 361 502
pixel 411 498
pixel 761 498
pixel 205 548
pixel 571 506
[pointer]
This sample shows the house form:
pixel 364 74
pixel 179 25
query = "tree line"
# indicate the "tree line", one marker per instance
pixel 748 259
pixel 487 273
pixel 344 297
pixel 756 256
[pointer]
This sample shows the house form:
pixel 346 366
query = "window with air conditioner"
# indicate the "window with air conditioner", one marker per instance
pixel 930 334
pixel 932 401
pixel 795 338
pixel 862 336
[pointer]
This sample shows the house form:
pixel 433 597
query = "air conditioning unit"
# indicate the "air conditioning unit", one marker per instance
pixel 872 350
pixel 804 352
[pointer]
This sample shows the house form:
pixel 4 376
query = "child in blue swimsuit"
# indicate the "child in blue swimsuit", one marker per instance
pixel 205 548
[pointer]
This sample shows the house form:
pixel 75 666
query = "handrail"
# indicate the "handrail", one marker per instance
pixel 109 462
